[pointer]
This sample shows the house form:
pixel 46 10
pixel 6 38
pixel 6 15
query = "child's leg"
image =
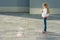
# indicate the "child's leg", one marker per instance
pixel 45 24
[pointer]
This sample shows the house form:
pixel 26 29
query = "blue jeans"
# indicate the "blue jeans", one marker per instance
pixel 45 24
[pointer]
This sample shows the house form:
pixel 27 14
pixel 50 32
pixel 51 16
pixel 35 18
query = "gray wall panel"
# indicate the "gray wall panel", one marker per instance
pixel 38 3
pixel 24 3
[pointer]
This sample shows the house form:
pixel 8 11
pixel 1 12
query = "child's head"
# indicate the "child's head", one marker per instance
pixel 45 5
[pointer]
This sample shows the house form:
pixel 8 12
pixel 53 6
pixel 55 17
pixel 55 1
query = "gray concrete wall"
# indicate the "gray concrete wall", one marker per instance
pixel 35 6
pixel 14 5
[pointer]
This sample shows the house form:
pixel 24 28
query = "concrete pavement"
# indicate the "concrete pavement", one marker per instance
pixel 20 26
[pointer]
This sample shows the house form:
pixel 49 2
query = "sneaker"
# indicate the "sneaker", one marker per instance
pixel 43 31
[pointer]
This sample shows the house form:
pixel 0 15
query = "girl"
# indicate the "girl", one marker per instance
pixel 45 14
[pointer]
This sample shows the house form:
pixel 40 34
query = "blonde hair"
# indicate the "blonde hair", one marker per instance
pixel 46 5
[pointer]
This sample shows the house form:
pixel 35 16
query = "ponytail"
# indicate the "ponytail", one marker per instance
pixel 48 10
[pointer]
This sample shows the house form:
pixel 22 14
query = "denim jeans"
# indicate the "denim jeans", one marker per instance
pixel 45 24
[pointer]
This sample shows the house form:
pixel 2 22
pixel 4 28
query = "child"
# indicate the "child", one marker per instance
pixel 45 14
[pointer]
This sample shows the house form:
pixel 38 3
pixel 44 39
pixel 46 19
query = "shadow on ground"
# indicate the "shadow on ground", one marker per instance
pixel 34 16
pixel 49 36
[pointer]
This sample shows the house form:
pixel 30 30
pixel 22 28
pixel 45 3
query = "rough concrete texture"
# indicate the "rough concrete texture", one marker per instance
pixel 23 26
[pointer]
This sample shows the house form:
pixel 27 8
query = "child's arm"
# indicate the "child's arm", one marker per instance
pixel 41 10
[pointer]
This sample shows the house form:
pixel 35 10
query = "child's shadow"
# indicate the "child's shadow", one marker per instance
pixel 48 36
